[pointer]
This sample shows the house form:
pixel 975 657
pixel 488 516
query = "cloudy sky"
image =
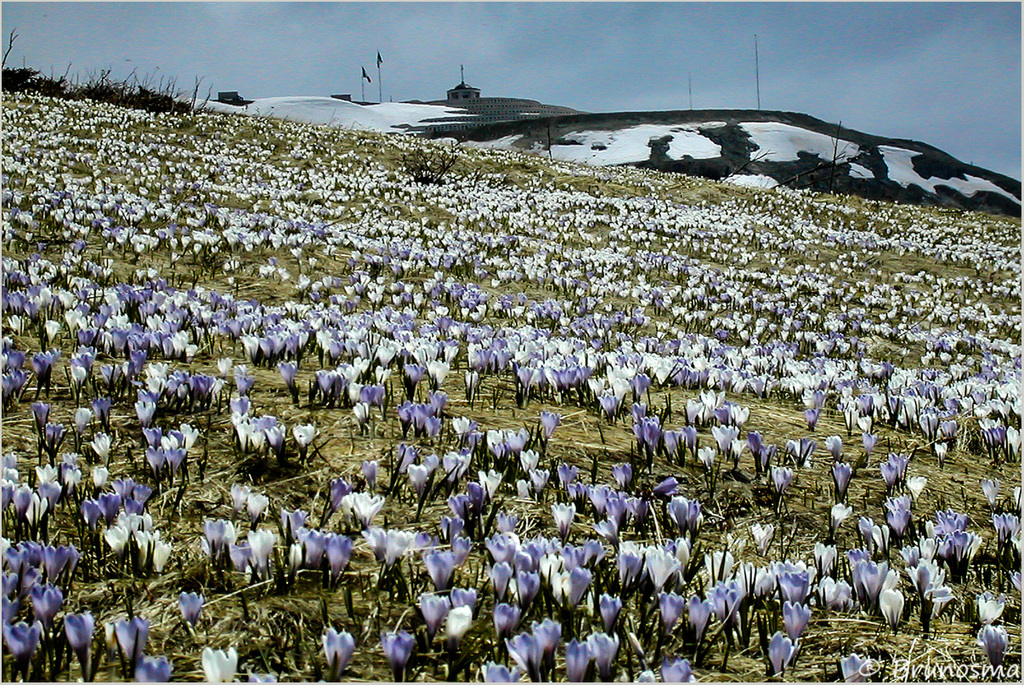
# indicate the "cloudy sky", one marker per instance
pixel 948 74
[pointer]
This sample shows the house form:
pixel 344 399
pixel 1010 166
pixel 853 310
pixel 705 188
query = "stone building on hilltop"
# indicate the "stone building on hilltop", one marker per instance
pixel 486 110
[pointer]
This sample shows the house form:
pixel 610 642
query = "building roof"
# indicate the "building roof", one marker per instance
pixel 464 86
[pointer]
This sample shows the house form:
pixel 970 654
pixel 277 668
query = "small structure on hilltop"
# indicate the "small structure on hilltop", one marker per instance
pixel 231 97
pixel 486 110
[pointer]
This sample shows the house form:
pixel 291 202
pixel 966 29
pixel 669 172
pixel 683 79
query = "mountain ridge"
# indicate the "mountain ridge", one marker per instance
pixel 878 170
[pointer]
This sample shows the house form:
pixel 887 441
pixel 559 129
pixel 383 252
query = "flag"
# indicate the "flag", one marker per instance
pixel 366 76
pixel 380 60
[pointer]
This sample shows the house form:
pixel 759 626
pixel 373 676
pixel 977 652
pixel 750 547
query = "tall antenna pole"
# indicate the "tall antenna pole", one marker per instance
pixel 689 86
pixel 757 73
pixel 462 74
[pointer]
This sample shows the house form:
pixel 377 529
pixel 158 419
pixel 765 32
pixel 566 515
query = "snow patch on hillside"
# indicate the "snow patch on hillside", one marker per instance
pixel 507 142
pixel 631 145
pixel 752 181
pixel 781 142
pixel 857 171
pixel 901 170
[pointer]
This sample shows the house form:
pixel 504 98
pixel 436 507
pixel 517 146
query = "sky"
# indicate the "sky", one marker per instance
pixel 947 74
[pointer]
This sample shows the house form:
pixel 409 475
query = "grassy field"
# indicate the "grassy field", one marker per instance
pixel 175 262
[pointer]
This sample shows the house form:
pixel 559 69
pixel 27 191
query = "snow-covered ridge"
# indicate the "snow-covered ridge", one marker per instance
pixel 386 117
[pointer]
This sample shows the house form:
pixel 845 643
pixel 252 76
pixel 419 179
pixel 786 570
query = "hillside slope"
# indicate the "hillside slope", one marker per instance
pixel 264 392
pixel 765 148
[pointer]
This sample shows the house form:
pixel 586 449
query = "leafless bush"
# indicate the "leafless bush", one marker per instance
pixel 145 94
pixel 430 164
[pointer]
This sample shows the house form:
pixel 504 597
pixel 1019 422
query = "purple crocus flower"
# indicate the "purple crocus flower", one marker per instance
pixel 686 514
pixel 500 574
pixel 890 474
pixel 898 515
pixel 577 660
pixel 289 370
pixel 781 650
pixel 42 365
pixel 794 586
pixel 549 636
pixel 440 566
pixel 671 606
pixel 153 670
pixel 676 671
pixel 868 580
pixel 856 668
pixel 22 641
pixel 623 475
pixel 191 605
pixel 648 434
pixel 630 565
pixel 79 630
pixel 610 406
pixel 53 437
pixel 101 407
pixel 869 440
pixel 579 581
pixel 525 650
pixel 434 609
pixel 610 606
pixel 666 488
pixel 463 597
pixel 506 618
pixel 604 649
pixel 41 414
pixel 549 421
pixel 841 473
pixel 957 549
pixel 795 618
pixel 218 536
pixel 781 479
pixel 726 597
pixel 498 673
pixel 46 601
pixel 1006 526
pixel 370 469
pixel 292 521
pixel 132 636
pixel 397 648
pixel 993 639
pixel 338 649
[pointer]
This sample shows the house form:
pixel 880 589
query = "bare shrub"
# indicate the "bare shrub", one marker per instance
pixel 429 164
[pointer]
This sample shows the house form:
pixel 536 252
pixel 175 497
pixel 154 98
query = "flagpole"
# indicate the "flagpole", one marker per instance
pixel 362 89
pixel 757 73
pixel 380 82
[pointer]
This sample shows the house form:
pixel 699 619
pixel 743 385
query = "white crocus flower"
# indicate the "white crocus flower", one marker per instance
pixel 990 608
pixel 218 665
pixel 304 434
pixel 891 604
